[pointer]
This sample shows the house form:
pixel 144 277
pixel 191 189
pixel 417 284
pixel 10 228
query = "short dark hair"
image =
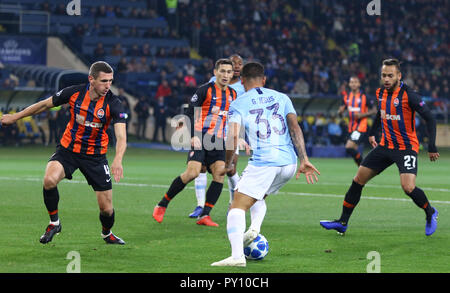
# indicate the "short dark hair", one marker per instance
pixel 223 61
pixel 392 62
pixel 99 66
pixel 236 55
pixel 253 70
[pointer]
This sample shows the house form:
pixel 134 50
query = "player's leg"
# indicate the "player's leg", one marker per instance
pixel 233 177
pixel 375 162
pixel 54 173
pixel 257 213
pixel 353 195
pixel 235 230
pixel 177 185
pixel 255 183
pixel 407 165
pixel 201 182
pixel 107 216
pixel 351 148
pixel 213 193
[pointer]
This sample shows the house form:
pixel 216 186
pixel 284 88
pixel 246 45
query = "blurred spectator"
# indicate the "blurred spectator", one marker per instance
pixel 142 111
pixel 301 87
pixel 99 52
pixel 122 66
pixel 163 90
pixel 53 125
pixel 142 65
pixel 334 132
pixel 161 111
pixel 117 50
pixel 189 68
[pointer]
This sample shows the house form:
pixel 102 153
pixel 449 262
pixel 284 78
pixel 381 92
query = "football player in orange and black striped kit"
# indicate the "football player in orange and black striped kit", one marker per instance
pixel 84 144
pixel 208 110
pixel 359 108
pixel 397 105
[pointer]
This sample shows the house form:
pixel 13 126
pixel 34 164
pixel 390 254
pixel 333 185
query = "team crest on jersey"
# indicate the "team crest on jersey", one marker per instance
pixel 396 102
pixel 194 98
pixel 100 113
pixel 191 154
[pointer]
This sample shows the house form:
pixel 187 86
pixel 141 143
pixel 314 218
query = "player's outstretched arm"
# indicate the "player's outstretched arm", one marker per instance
pixel 416 103
pixel 121 146
pixel 297 138
pixel 373 130
pixel 34 109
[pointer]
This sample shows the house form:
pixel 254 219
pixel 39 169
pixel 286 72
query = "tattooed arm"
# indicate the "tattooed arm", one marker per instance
pixel 297 139
pixel 297 136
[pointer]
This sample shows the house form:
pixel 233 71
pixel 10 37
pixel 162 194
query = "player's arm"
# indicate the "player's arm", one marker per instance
pixel 372 109
pixel 120 131
pixel 36 108
pixel 373 130
pixel 416 103
pixel 299 142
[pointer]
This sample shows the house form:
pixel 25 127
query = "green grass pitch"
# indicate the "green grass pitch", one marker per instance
pixel 385 221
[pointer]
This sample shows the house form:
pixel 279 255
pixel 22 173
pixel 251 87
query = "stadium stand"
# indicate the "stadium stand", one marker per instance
pixel 312 59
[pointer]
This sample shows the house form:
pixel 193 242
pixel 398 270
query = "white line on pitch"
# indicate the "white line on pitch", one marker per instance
pixel 74 181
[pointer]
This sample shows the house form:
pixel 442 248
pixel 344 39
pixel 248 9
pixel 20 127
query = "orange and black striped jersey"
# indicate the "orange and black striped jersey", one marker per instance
pixel 208 109
pixel 396 113
pixel 356 103
pixel 86 131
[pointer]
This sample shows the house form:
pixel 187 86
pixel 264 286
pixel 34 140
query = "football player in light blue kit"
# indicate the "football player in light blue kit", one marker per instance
pixel 233 177
pixel 270 122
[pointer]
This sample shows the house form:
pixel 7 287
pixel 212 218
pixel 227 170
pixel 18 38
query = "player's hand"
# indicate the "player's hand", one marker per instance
pixel 242 144
pixel 117 171
pixel 373 141
pixel 309 170
pixel 196 143
pixel 7 119
pixel 227 169
pixel 433 156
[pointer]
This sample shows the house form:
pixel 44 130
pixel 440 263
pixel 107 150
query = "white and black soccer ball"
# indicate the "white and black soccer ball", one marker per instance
pixel 257 249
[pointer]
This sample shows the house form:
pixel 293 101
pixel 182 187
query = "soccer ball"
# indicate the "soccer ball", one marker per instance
pixel 258 249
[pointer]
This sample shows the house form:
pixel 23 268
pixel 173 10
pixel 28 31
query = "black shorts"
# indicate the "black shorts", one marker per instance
pixel 210 155
pixel 357 137
pixel 94 167
pixel 381 157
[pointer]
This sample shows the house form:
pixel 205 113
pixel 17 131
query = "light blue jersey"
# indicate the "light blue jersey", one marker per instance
pixel 263 113
pixel 237 86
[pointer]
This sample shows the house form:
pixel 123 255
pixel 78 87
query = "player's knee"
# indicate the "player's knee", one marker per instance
pixel 50 182
pixel 359 179
pixel 106 210
pixel 191 174
pixel 408 187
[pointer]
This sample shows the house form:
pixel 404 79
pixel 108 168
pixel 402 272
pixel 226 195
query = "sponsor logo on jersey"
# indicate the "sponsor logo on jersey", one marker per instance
pixel 81 120
pixel 389 116
pixel 354 109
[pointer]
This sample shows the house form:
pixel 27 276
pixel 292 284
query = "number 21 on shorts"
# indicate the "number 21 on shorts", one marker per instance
pixel 410 162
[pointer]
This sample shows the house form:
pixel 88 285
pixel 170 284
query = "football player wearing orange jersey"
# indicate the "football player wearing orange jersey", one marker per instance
pixel 84 145
pixel 397 105
pixel 359 109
